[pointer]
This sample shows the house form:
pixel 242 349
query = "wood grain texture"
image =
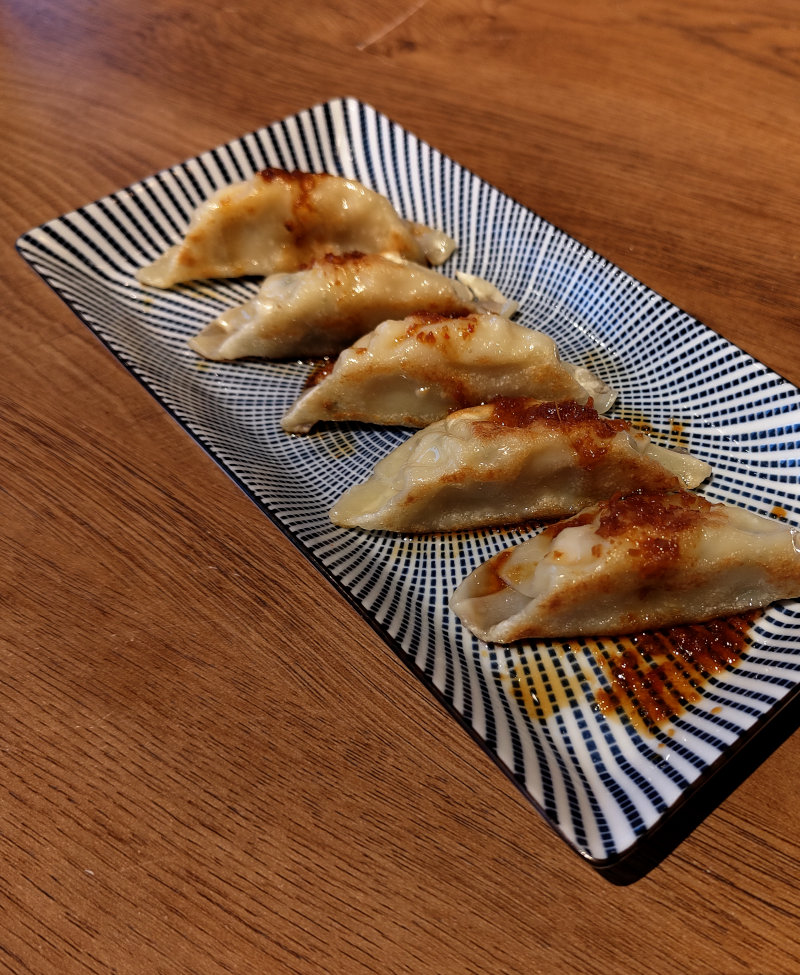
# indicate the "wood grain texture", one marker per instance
pixel 201 775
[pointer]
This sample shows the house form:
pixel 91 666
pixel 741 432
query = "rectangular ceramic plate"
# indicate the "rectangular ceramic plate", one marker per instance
pixel 603 782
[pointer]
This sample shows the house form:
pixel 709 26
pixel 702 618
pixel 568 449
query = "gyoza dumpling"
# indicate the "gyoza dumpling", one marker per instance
pixel 322 309
pixel 632 563
pixel 415 371
pixel 279 221
pixel 510 461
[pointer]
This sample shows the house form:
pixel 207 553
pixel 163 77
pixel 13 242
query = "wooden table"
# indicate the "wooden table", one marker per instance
pixel 199 776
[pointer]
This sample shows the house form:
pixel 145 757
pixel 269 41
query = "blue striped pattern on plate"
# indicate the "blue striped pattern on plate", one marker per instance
pixel 602 782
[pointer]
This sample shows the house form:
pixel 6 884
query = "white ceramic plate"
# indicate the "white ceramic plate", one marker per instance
pixel 604 782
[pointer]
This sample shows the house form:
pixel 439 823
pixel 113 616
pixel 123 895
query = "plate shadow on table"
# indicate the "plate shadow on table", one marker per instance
pixel 695 805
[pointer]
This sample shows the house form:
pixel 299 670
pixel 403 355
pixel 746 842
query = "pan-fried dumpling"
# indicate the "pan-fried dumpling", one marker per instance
pixel 279 221
pixel 632 563
pixel 511 461
pixel 415 371
pixel 321 309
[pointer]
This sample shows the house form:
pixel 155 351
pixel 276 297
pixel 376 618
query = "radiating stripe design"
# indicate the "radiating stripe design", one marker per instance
pixel 602 783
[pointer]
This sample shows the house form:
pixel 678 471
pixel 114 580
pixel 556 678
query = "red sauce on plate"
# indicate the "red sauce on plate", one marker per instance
pixel 651 676
pixel 320 369
pixel 655 675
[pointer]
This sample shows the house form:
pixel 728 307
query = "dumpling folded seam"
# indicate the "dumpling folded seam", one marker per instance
pixel 638 562
pixel 324 307
pixel 509 461
pixel 415 371
pixel 280 221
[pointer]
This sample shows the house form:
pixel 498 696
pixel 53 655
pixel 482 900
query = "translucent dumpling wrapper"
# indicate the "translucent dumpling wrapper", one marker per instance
pixel 632 563
pixel 415 371
pixel 323 308
pixel 511 461
pixel 280 221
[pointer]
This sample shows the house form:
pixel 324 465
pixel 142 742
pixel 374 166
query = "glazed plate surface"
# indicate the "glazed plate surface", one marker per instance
pixel 604 781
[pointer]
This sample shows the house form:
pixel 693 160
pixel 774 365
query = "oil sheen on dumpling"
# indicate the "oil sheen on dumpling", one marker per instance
pixel 279 221
pixel 511 461
pixel 632 563
pixel 415 371
pixel 321 309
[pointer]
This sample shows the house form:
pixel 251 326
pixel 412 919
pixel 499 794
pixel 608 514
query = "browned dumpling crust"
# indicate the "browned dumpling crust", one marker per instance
pixel 415 371
pixel 280 221
pixel 509 461
pixel 637 562
pixel 321 309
